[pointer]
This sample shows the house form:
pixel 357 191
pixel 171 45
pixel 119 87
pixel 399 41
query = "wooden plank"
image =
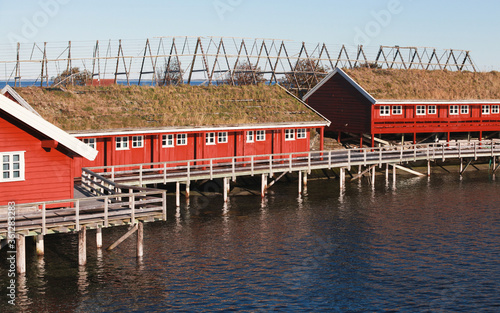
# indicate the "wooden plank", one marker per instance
pixel 408 170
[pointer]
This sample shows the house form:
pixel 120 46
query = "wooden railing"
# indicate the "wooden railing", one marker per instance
pixel 175 171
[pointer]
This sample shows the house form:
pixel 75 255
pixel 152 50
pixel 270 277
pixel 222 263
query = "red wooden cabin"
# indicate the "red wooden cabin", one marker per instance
pixel 354 109
pixel 36 157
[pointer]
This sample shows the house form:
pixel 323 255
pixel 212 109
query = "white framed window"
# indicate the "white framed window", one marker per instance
pixel 121 143
pixel 431 109
pixel 167 140
pixel 453 109
pixel 397 110
pixel 420 109
pixel 495 109
pixel 250 136
pixel 89 142
pixel 261 135
pixel 182 139
pixel 12 166
pixel 301 133
pixel 289 134
pixel 222 137
pixel 485 109
pixel 210 138
pixel 137 141
pixel 464 109
pixel 385 110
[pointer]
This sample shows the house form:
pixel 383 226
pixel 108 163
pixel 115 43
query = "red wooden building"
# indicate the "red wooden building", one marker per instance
pixel 188 122
pixel 36 157
pixel 445 103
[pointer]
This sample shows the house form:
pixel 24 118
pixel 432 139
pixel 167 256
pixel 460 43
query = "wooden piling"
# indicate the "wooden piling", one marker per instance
pixel 21 254
pixel 224 186
pixel 263 185
pixel 177 194
pixel 140 239
pixel 393 173
pixel 373 175
pixel 428 167
pixel 39 245
pixel 342 177
pixel 98 237
pixel 82 246
pixel 304 179
pixel 300 182
pixel 188 190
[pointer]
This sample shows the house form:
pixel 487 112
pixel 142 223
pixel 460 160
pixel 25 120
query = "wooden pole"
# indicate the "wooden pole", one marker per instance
pixel 263 186
pixel 373 175
pixel 342 177
pixel 428 167
pixel 300 182
pixel 177 194
pixel 39 245
pixel 98 237
pixel 304 179
pixel 187 190
pixel 387 171
pixel 140 239
pixel 393 173
pixel 21 254
pixel 82 246
pixel 225 183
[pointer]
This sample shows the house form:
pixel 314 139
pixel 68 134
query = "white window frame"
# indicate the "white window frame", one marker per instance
pixel 11 166
pixel 431 109
pixel 420 110
pixel 137 141
pixel 210 138
pixel 167 141
pixel 301 133
pixel 250 136
pixel 90 142
pixel 181 139
pixel 485 109
pixel 222 137
pixel 495 109
pixel 464 109
pixel 454 109
pixel 260 135
pixel 385 110
pixel 289 134
pixel 121 143
pixel 397 110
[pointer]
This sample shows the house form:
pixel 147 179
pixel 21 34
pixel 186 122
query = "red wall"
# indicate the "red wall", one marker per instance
pixel 48 174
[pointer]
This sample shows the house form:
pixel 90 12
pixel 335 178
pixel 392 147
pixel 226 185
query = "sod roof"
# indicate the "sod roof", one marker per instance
pixel 392 84
pixel 122 107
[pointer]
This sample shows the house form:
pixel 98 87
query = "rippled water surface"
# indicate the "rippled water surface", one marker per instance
pixel 422 245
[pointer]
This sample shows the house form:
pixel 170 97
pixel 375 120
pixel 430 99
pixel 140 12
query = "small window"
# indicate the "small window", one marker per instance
pixel 420 109
pixel 453 109
pixel 261 135
pixel 289 134
pixel 137 141
pixel 12 166
pixel 181 139
pixel 464 109
pixel 222 137
pixel 485 109
pixel 431 109
pixel 121 143
pixel 210 138
pixel 89 142
pixel 385 110
pixel 167 140
pixel 301 133
pixel 397 110
pixel 250 136
pixel 495 109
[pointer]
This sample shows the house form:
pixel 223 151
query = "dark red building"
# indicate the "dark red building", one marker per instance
pixel 430 105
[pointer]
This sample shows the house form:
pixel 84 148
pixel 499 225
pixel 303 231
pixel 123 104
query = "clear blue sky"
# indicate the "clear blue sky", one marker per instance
pixel 457 24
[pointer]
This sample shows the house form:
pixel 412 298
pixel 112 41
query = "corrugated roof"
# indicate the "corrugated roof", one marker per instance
pixel 391 84
pixel 115 107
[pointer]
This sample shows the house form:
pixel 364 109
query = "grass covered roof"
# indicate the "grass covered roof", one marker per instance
pixel 427 85
pixel 119 107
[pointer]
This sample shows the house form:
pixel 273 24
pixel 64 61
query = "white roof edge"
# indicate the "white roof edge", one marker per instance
pixel 338 70
pixel 307 105
pixel 18 98
pixel 38 123
pixel 195 129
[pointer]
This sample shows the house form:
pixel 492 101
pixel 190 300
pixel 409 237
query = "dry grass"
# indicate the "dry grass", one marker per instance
pixel 428 85
pixel 97 108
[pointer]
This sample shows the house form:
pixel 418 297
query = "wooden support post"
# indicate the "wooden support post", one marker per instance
pixel 461 166
pixel 224 187
pixel 394 173
pixel 177 194
pixel 428 167
pixel 373 175
pixel 39 245
pixel 263 186
pixel 304 179
pixel 300 182
pixel 21 254
pixel 82 246
pixel 387 172
pixel 342 177
pixel 188 190
pixel 98 237
pixel 164 205
pixel 140 239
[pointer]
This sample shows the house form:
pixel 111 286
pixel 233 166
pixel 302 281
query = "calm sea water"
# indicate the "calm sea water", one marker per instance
pixel 422 245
